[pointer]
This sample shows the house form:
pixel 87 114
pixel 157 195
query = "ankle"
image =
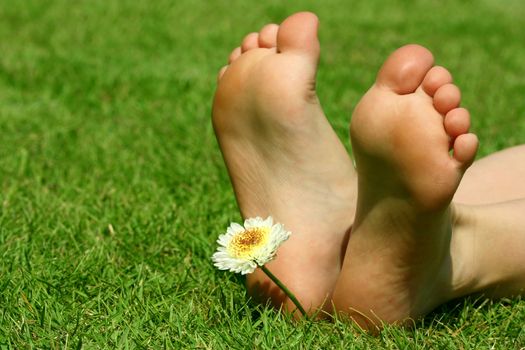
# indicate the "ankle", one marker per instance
pixel 463 270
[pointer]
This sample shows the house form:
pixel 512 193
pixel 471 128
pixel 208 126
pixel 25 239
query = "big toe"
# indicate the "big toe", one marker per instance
pixel 405 69
pixel 298 33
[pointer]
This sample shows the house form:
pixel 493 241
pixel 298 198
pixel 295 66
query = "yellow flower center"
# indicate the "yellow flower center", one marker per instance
pixel 244 244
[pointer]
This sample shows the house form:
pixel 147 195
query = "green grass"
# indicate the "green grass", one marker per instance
pixel 113 190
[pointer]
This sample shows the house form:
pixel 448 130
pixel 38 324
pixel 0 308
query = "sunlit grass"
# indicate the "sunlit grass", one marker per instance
pixel 113 190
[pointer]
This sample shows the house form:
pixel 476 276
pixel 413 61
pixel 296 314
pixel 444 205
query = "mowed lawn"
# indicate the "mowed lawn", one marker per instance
pixel 113 190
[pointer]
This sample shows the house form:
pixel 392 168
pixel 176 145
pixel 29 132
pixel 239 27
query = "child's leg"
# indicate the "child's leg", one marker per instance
pixel 489 250
pixel 497 178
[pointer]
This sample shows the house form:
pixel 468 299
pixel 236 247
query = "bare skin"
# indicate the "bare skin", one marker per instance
pixel 402 229
pixel 494 179
pixel 491 249
pixel 410 248
pixel 284 159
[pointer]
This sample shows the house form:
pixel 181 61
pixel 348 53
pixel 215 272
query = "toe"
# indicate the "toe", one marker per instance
pixel 446 98
pixel 236 53
pixel 405 69
pixel 436 77
pixel 250 41
pixel 268 36
pixel 221 72
pixel 457 122
pixel 465 148
pixel 298 33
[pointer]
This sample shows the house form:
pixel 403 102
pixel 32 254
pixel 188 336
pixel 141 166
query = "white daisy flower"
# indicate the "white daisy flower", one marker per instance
pixel 242 249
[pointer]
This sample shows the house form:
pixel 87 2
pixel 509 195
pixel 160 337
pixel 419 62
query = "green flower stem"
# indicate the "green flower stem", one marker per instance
pixel 284 289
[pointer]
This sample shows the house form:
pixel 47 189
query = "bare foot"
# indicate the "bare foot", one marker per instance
pixel 397 264
pixel 284 159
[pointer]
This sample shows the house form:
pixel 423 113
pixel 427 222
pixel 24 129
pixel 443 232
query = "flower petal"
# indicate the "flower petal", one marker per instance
pixel 268 222
pixel 252 222
pixel 260 255
pixel 235 228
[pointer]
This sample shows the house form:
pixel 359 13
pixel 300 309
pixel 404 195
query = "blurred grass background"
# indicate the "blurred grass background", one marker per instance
pixel 113 190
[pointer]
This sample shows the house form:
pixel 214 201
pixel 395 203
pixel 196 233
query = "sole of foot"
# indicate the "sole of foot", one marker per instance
pixel 285 160
pixel 411 144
